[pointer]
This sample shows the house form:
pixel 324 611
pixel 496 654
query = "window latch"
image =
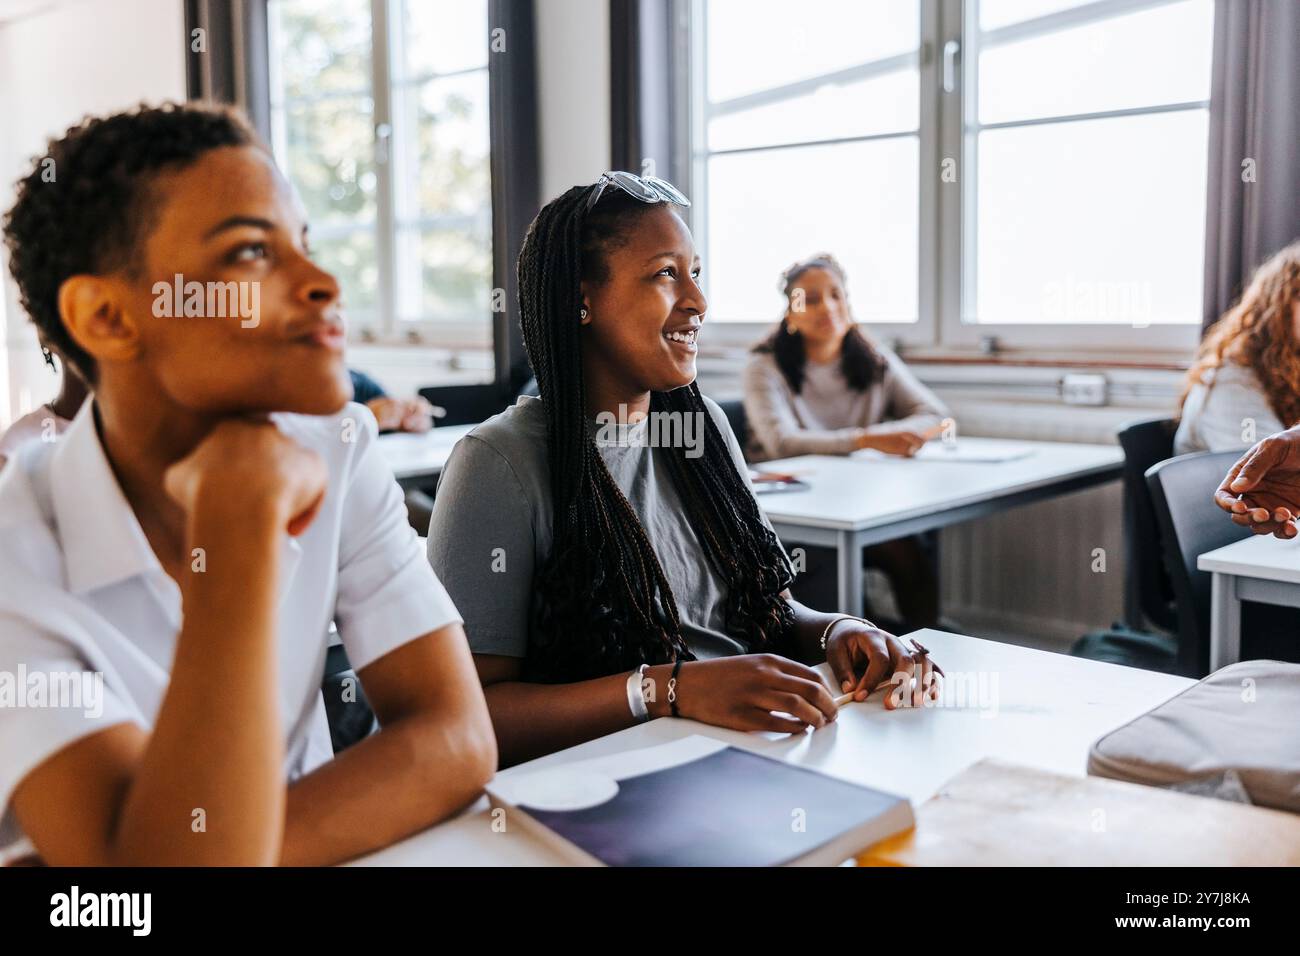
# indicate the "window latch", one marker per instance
pixel 951 50
pixel 383 136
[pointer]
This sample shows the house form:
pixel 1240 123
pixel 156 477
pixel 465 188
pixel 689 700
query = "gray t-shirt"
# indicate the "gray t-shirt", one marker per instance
pixel 491 528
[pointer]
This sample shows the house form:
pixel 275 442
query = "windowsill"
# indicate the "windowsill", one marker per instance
pixel 1134 382
pixel 403 368
pixel 1152 361
pixel 1156 361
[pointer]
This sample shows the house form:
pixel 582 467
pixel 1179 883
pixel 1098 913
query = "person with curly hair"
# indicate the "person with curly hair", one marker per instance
pixel 51 419
pixel 1245 381
pixel 608 576
pixel 175 560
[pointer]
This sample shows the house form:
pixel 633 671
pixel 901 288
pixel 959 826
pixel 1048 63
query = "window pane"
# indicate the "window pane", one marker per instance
pixel 881 104
pixel 768 209
pixel 443 36
pixel 320 47
pixel 443 161
pixel 1000 13
pixel 758 45
pixel 1152 57
pixel 1098 221
pixel 351 258
pixel 444 201
pixel 329 156
pixel 451 274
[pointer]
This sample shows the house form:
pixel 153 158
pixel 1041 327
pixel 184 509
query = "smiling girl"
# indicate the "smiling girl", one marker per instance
pixel 603 580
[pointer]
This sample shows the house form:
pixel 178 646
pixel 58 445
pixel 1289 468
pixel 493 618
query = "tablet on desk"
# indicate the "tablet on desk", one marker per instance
pixel 769 482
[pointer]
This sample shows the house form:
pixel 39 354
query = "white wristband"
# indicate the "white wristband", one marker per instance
pixel 636 694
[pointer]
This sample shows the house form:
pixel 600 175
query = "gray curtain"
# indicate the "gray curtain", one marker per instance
pixel 646 98
pixel 516 176
pixel 1254 171
pixel 231 67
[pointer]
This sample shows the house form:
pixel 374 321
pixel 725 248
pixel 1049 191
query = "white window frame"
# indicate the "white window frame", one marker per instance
pixel 957 217
pixel 461 333
pixel 726 333
pixel 947 220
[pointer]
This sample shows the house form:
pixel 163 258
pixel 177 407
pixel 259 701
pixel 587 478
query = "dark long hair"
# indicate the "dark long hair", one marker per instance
pixel 860 363
pixel 601 602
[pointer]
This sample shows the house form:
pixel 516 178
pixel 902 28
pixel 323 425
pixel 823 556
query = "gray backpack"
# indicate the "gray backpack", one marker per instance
pixel 1236 730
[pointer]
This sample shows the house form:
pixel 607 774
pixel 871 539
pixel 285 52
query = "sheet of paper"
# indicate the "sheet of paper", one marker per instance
pixel 986 450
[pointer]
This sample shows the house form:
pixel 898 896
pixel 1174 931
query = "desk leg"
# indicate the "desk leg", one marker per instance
pixel 1225 622
pixel 849 557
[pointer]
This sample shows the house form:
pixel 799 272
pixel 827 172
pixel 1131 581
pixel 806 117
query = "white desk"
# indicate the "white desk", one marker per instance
pixel 1048 710
pixel 418 458
pixel 857 501
pixel 1263 568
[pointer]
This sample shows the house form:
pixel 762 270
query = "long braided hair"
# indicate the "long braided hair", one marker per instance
pixel 860 363
pixel 601 601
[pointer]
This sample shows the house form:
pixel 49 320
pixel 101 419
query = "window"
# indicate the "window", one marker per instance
pixel 1028 170
pixel 380 115
pixel 833 92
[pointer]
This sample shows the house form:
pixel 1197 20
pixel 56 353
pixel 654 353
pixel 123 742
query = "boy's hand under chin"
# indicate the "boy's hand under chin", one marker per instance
pixel 249 467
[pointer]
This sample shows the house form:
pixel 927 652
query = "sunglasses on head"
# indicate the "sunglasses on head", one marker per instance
pixel 647 189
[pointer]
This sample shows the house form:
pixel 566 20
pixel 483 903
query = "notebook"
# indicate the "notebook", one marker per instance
pixel 698 802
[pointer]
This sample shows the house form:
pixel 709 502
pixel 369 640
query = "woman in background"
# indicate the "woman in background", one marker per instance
pixel 818 385
pixel 46 422
pixel 1245 382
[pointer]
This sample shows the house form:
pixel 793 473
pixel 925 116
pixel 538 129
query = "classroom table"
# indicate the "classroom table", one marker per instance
pixel 418 458
pixel 1264 569
pixel 1030 707
pixel 863 499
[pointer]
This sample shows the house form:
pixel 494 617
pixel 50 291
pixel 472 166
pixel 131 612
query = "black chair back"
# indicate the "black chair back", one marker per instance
pixel 1148 593
pixel 1182 493
pixel 466 404
pixel 734 409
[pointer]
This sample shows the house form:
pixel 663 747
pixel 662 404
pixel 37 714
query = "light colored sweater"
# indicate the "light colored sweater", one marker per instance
pixel 1227 412
pixel 827 416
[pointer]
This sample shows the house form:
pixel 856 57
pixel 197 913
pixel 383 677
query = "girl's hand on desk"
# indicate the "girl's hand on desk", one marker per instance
pixel 748 692
pixel 862 658
pixel 901 443
pixel 401 414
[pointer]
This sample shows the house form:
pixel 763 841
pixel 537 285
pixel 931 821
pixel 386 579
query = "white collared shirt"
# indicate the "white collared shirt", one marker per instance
pixel 85 603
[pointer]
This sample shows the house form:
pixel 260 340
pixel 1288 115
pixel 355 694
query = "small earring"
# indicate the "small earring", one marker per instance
pixel 582 313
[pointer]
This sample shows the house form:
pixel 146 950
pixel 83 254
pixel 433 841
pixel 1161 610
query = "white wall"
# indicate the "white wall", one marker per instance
pixel 572 92
pixel 65 61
